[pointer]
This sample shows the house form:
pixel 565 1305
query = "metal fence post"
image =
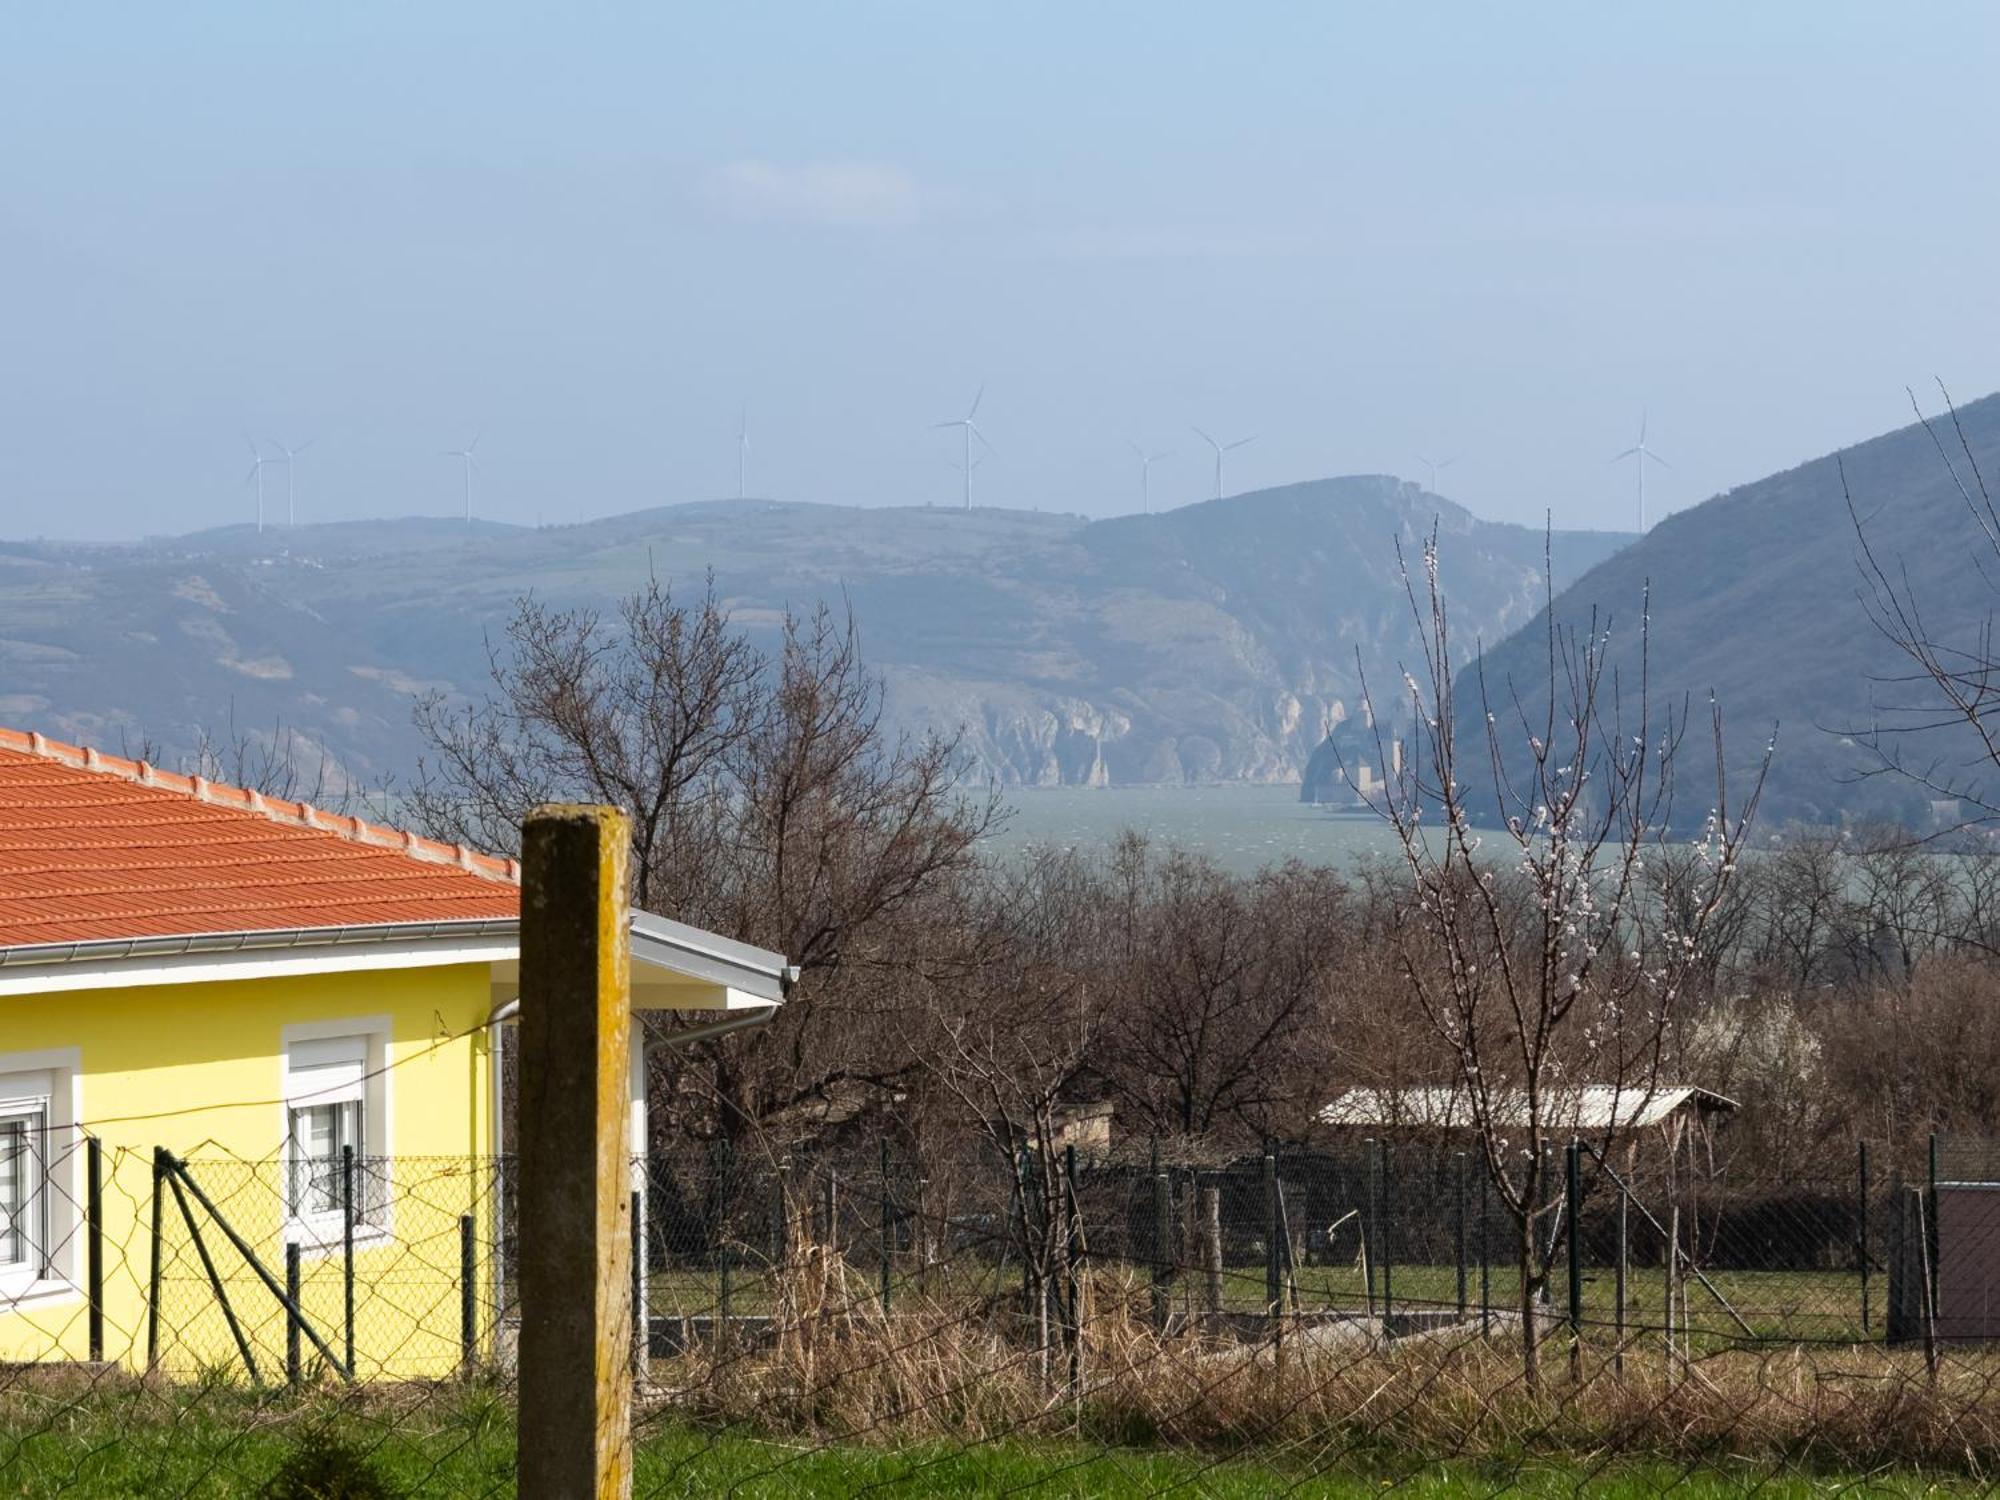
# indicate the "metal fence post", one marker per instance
pixel 1073 1235
pixel 468 1314
pixel 1930 1240
pixel 1387 1246
pixel 1458 1230
pixel 347 1251
pixel 1861 1232
pixel 780 1236
pixel 1370 1229
pixel 93 1217
pixel 292 1375
pixel 153 1278
pixel 725 1176
pixel 888 1229
pixel 1273 1291
pixel 1619 1280
pixel 1485 1262
pixel 1573 1190
pixel 642 1333
pixel 1163 1237
pixel 1929 1290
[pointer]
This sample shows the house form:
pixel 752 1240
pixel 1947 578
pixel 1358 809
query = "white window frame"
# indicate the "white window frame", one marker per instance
pixel 322 1232
pixel 50 1081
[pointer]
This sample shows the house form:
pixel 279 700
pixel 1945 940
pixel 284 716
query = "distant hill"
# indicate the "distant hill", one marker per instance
pixel 1755 595
pixel 1214 642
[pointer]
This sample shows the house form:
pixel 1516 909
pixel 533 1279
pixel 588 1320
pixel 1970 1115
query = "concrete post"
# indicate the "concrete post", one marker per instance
pixel 575 1233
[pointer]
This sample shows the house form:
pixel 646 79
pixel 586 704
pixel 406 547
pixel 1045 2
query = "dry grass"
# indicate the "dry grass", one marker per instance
pixel 966 1370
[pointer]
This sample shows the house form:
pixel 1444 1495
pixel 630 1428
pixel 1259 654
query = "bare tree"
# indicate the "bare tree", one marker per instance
pixel 284 763
pixel 1221 989
pixel 1538 964
pixel 1014 1031
pixel 769 802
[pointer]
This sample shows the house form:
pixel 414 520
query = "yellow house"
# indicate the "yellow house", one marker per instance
pixel 251 1062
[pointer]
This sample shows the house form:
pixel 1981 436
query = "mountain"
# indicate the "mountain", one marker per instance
pixel 1214 642
pixel 1756 595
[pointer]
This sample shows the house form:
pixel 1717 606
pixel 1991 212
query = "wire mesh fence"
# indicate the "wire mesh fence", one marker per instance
pixel 1171 1317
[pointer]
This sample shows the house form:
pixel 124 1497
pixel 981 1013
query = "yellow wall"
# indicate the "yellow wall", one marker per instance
pixel 200 1069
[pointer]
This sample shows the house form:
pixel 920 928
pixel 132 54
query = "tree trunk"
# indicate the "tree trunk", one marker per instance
pixel 1531 1332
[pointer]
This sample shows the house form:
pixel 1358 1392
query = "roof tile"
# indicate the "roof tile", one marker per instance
pixel 96 847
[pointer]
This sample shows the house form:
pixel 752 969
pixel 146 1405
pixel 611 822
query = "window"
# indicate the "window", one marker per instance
pixel 334 1105
pixel 24 1189
pixel 41 1153
pixel 322 1134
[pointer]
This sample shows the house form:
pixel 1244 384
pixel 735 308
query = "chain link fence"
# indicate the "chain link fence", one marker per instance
pixel 1172 1317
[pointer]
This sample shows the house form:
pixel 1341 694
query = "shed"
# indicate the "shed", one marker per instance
pixel 1591 1108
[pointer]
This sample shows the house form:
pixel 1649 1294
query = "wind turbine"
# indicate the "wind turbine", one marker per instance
pixel 291 494
pixel 256 476
pixel 1146 462
pixel 464 456
pixel 1434 464
pixel 742 449
pixel 1640 451
pixel 1220 449
pixel 971 431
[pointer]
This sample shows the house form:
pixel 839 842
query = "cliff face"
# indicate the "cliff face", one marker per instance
pixel 1213 643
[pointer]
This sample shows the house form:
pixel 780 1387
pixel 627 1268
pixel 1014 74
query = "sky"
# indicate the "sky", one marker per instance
pixel 597 236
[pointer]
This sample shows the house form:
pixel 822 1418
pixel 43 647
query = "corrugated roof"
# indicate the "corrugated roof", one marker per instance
pixel 96 847
pixel 1592 1107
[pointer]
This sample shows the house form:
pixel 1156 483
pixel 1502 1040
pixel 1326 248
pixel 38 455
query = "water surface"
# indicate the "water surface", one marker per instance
pixel 1241 827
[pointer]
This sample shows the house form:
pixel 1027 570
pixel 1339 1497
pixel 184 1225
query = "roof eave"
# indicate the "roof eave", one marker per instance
pixel 752 973
pixel 102 950
pixel 676 946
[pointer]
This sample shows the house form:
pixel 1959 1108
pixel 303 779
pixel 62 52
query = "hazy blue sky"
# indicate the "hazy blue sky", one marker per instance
pixel 591 232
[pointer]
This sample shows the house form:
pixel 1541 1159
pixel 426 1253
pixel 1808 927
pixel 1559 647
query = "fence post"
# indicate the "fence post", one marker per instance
pixel 1387 1243
pixel 1073 1245
pixel 1573 1187
pixel 780 1237
pixel 291 1314
pixel 1618 1288
pixel 93 1218
pixel 1370 1243
pixel 642 1332
pixel 153 1277
pixel 1211 1251
pixel 719 1240
pixel 1929 1292
pixel 1273 1290
pixel 1897 1327
pixel 347 1251
pixel 1930 1238
pixel 468 1308
pixel 1163 1247
pixel 1458 1229
pixel 888 1229
pixel 1485 1262
pixel 575 1432
pixel 215 1281
pixel 1861 1232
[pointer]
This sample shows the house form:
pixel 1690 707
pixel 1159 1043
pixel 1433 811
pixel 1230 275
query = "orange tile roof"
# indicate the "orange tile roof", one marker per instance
pixel 96 847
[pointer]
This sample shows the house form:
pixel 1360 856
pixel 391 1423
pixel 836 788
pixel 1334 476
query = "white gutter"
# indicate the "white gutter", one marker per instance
pixel 101 950
pixel 755 974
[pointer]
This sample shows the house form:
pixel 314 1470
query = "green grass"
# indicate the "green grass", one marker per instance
pixel 225 1444
pixel 1813 1305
